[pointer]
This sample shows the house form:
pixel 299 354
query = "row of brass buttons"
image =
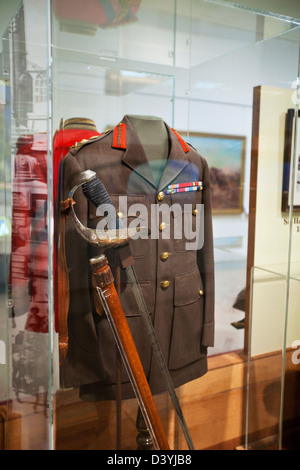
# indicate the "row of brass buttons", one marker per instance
pixel 165 255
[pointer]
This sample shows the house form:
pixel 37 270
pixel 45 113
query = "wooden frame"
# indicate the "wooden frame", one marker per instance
pixel 288 149
pixel 252 208
pixel 225 155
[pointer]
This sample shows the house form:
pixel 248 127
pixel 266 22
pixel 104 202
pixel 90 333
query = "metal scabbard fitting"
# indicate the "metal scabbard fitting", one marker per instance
pixel 101 271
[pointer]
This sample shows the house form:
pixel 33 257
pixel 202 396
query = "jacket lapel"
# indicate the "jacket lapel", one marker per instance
pixel 176 162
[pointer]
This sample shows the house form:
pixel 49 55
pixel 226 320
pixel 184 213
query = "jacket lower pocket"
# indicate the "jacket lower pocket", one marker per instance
pixel 187 320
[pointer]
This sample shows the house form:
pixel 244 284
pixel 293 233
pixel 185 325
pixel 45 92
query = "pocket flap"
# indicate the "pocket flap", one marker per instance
pixel 185 202
pixel 187 288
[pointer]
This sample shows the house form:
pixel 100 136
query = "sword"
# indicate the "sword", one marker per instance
pixel 117 236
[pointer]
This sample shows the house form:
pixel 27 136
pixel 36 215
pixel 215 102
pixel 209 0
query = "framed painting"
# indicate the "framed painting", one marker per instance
pixel 287 195
pixel 225 155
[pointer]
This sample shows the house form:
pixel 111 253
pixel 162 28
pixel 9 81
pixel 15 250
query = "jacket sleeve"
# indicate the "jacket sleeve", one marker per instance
pixel 206 265
pixel 76 247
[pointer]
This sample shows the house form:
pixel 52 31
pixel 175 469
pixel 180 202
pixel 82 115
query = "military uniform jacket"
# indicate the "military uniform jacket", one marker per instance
pixel 177 284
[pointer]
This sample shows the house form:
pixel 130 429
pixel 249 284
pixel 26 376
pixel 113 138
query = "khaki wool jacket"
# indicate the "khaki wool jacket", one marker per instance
pixel 177 284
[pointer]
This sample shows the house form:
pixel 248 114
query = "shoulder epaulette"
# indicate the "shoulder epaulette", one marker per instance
pixel 79 145
pixel 190 145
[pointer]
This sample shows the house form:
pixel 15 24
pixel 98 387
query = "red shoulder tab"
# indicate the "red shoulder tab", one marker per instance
pixel 184 145
pixel 119 137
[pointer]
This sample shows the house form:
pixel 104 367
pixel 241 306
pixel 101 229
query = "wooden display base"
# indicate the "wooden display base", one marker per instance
pixel 10 428
pixel 214 407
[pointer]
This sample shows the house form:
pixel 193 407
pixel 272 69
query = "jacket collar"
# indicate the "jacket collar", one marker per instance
pixel 126 138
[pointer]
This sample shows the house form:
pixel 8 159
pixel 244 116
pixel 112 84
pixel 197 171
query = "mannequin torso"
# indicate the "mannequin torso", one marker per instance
pixel 156 150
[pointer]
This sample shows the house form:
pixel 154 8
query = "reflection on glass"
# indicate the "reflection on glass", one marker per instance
pixel 74 17
pixel 29 250
pixel 24 70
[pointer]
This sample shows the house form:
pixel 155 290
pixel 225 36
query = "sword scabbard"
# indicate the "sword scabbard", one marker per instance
pixel 114 311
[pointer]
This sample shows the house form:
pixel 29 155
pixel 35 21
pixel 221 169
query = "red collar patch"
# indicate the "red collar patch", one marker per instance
pixel 119 137
pixel 184 145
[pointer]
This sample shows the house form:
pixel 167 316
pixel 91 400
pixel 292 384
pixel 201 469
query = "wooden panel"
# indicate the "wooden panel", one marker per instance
pixel 252 206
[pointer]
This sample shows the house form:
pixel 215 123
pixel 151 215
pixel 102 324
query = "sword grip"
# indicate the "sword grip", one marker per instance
pixel 95 191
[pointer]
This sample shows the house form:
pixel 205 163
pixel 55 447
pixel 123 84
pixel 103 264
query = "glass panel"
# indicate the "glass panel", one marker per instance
pixel 265 360
pixel 236 99
pixel 217 29
pixel 117 67
pixel 117 33
pixel 24 127
pixel 220 120
pixel 225 78
pixel 199 75
pixel 272 275
pixel 5 231
pixel 289 428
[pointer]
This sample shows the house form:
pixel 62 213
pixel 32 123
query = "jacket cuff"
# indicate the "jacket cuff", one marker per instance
pixel 208 335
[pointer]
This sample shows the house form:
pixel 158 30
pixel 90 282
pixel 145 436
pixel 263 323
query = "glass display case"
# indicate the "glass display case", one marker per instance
pixel 77 79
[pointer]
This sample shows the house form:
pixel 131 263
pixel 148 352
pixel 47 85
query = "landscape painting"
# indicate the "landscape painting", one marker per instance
pixel 288 196
pixel 225 155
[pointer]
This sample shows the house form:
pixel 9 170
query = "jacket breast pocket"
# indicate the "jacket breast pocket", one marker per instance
pixel 187 320
pixel 188 225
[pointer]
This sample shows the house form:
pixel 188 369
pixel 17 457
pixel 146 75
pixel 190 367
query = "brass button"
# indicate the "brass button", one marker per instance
pixel 165 284
pixel 195 211
pixel 120 215
pixel 201 293
pixel 164 256
pixel 160 196
pixel 162 226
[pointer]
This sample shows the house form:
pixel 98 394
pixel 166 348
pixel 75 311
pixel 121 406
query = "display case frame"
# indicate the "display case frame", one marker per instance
pixel 202 90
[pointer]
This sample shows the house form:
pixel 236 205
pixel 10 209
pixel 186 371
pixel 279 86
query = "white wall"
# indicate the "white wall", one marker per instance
pixel 272 237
